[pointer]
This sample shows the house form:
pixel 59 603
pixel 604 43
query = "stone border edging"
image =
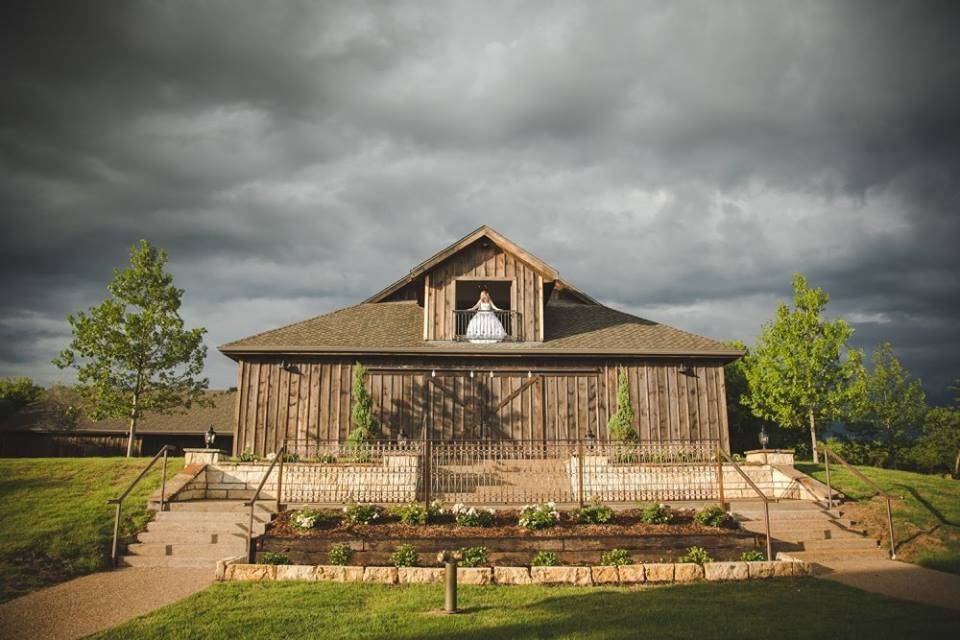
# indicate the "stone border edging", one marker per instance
pixel 653 573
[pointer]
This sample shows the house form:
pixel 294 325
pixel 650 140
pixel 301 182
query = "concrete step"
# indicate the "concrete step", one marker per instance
pixel 191 537
pixel 221 506
pixel 205 527
pixel 843 554
pixel 804 535
pixel 161 561
pixel 210 516
pixel 839 545
pixel 158 549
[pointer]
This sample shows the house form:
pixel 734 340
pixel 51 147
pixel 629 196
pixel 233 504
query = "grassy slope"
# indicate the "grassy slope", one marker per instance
pixel 794 608
pixel 926 520
pixel 55 523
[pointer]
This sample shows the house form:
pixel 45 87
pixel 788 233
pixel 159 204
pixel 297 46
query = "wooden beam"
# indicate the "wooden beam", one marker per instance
pixel 518 391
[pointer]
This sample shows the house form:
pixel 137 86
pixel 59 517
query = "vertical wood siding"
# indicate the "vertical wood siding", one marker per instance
pixel 312 403
pixel 478 262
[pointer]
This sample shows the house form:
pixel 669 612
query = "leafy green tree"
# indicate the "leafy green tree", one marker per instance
pixel 800 371
pixel 620 425
pixel 939 445
pixel 744 426
pixel 132 353
pixel 365 425
pixel 888 407
pixel 16 393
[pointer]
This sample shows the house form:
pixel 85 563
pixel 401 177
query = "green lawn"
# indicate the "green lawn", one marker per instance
pixel 783 608
pixel 926 520
pixel 55 522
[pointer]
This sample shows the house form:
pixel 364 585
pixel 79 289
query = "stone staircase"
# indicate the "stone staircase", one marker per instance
pixel 196 533
pixel 809 531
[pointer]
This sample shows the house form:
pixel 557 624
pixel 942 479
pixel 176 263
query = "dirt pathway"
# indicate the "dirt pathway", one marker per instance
pixel 99 601
pixel 896 579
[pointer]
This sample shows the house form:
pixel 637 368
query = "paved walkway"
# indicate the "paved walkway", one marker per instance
pixel 896 579
pixel 99 601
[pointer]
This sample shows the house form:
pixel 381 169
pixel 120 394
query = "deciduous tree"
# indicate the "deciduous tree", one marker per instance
pixel 799 371
pixel 132 353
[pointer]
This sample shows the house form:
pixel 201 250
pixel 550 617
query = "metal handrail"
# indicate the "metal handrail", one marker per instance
pixel 766 501
pixel 889 499
pixel 164 450
pixel 277 458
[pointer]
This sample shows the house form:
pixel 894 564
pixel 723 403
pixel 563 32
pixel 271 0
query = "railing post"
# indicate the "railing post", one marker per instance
pixel 723 500
pixel 116 534
pixel 427 470
pixel 163 478
pixel 251 554
pixel 826 464
pixel 893 544
pixel 766 526
pixel 580 463
pixel 282 454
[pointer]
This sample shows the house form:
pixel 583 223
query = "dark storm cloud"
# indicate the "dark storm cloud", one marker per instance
pixel 679 160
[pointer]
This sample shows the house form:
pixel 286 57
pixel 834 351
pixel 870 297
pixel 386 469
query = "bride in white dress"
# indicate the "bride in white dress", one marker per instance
pixel 484 327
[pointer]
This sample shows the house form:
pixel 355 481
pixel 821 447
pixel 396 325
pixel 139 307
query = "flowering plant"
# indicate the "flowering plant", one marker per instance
pixel 307 519
pixel 655 513
pixel 471 516
pixel 539 516
pixel 417 513
pixel 361 513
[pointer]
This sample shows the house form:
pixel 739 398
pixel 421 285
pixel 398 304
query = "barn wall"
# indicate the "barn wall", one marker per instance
pixel 477 262
pixel 535 400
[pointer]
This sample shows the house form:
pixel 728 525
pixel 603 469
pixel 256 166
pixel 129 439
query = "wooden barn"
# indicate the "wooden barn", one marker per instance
pixel 551 375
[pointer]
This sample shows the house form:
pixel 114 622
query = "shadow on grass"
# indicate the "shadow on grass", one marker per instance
pixel 928 506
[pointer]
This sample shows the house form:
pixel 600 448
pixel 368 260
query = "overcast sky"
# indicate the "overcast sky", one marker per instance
pixel 675 160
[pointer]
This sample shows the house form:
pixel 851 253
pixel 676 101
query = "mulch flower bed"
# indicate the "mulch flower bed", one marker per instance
pixel 624 523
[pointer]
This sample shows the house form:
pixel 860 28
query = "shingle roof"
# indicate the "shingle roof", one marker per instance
pixel 397 327
pixel 46 413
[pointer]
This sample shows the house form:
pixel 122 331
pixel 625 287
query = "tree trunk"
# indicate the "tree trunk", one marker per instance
pixel 956 466
pixel 813 436
pixel 133 427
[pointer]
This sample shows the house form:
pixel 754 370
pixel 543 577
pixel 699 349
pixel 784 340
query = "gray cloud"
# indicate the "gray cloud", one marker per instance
pixel 679 160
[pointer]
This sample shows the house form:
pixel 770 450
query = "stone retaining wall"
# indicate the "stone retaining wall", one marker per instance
pixel 565 575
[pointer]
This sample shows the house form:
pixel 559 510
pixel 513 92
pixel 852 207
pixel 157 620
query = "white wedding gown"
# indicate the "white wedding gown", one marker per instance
pixel 484 327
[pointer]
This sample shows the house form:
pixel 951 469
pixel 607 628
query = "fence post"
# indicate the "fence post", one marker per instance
pixel 427 470
pixel 580 463
pixel 723 501
pixel 283 454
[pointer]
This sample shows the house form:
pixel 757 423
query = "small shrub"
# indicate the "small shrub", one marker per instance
pixel 340 553
pixel 405 556
pixel 309 518
pixel 473 556
pixel 656 513
pixel 291 457
pixel 539 516
pixel 714 516
pixel 615 558
pixel 545 559
pixel 696 555
pixel 361 513
pixel 594 513
pixel 417 512
pixel 471 516
pixel 249 456
pixel 273 557
pixel 753 555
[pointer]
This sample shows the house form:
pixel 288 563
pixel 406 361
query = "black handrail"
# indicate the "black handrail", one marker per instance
pixel 511 321
pixel 826 459
pixel 164 450
pixel 278 457
pixel 766 501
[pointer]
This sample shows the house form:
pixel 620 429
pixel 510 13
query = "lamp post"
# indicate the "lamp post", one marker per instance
pixel 764 438
pixel 209 437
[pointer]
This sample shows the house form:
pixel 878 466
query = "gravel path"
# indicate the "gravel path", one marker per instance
pixel 99 601
pixel 896 579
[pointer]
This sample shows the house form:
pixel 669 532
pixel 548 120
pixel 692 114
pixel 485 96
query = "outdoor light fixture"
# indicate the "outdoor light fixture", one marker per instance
pixel 763 437
pixel 288 366
pixel 210 436
pixel 687 370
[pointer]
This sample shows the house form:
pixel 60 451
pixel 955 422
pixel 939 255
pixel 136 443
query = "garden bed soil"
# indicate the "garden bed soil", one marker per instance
pixel 507 543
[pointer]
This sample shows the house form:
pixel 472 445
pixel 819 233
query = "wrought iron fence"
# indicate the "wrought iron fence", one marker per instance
pixel 500 472
pixel 511 321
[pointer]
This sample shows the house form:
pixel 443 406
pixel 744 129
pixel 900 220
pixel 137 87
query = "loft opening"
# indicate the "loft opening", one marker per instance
pixel 467 293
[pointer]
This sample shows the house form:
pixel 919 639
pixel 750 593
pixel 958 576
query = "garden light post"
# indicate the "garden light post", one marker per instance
pixel 763 438
pixel 449 560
